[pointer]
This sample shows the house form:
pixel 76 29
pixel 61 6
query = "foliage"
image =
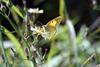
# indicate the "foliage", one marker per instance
pixel 66 49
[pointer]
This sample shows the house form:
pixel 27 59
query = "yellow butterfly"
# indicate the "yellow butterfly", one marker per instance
pixel 51 26
pixel 48 31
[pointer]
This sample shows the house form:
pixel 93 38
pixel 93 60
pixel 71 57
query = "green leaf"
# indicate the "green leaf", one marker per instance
pixel 17 45
pixel 16 9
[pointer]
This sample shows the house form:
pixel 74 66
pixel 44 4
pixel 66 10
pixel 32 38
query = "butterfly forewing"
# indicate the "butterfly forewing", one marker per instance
pixel 54 22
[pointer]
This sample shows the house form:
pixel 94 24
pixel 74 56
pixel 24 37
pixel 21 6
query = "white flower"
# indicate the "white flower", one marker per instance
pixel 40 31
pixel 36 10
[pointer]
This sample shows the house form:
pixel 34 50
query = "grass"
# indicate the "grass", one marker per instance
pixel 66 49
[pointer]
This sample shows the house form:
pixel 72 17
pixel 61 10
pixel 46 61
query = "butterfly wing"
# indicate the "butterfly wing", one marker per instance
pixel 51 26
pixel 54 22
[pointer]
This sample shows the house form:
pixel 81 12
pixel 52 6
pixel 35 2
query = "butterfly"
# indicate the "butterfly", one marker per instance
pixel 48 31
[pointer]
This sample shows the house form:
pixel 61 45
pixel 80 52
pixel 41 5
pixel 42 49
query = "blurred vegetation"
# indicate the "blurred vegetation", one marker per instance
pixel 75 44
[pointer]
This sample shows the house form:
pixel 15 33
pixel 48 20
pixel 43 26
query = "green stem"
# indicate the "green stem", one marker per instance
pixel 2 47
pixel 13 25
pixel 15 28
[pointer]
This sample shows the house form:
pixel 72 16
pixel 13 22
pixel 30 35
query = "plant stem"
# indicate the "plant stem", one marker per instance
pixel 2 47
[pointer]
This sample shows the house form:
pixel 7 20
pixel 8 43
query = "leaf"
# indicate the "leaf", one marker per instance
pixel 16 9
pixel 16 44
